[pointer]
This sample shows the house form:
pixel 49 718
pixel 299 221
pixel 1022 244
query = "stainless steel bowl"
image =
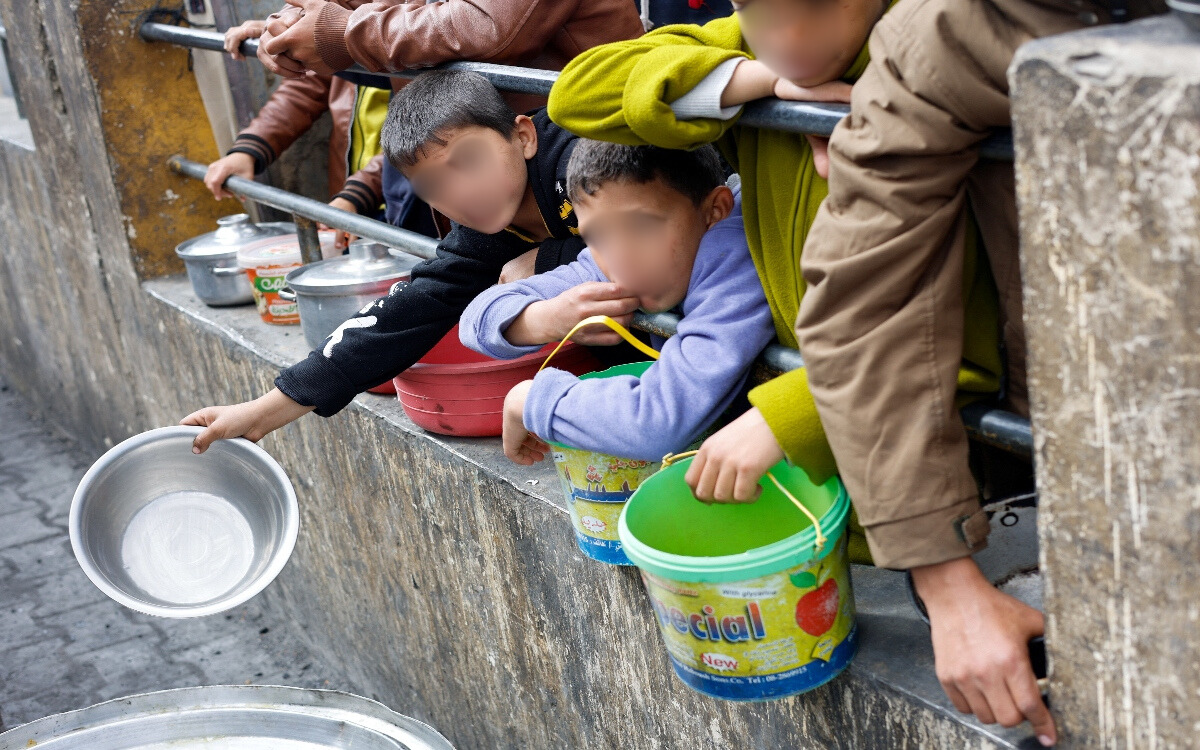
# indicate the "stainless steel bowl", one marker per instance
pixel 241 717
pixel 169 533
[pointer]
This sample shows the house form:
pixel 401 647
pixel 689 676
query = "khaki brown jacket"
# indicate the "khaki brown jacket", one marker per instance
pixel 290 111
pixel 881 325
pixel 400 34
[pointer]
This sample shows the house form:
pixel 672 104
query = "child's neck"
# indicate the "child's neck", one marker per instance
pixel 529 218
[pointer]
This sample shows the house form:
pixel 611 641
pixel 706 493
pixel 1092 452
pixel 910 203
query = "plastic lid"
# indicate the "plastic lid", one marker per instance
pixel 232 233
pixel 369 266
pixel 283 250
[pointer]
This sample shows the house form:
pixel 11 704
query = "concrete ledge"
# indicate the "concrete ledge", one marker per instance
pixel 446 581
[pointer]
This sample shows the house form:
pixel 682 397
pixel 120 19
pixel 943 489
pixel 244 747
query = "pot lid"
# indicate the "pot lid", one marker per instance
pixel 367 265
pixel 283 250
pixel 232 233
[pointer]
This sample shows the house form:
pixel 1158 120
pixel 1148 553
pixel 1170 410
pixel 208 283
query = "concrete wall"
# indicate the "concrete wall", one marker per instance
pixel 1107 124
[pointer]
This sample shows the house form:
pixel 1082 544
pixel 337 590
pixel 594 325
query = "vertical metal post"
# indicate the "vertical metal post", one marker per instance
pixel 310 243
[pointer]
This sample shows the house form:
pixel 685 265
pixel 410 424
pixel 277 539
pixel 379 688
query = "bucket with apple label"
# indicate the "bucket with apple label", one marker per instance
pixel 753 600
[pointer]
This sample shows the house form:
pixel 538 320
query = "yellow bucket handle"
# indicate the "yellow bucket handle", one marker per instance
pixel 619 329
pixel 671 458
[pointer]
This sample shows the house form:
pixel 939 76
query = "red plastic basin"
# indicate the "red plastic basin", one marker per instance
pixel 453 390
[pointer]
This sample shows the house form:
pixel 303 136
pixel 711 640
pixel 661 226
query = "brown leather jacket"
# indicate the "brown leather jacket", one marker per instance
pixel 413 34
pixel 880 326
pixel 290 111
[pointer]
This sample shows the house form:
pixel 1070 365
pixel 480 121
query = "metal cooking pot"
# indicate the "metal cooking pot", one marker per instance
pixel 211 259
pixel 330 291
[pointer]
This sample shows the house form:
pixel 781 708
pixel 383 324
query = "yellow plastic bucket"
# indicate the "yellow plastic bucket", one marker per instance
pixel 754 600
pixel 597 486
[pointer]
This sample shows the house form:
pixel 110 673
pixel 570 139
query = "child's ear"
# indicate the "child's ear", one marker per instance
pixel 717 205
pixel 525 136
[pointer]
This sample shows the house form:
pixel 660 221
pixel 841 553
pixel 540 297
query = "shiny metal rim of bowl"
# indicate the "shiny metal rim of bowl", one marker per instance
pixel 278 560
pixel 195 716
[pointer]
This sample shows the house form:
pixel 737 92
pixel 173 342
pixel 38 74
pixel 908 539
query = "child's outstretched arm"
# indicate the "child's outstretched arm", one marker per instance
pixel 252 420
pixel 511 320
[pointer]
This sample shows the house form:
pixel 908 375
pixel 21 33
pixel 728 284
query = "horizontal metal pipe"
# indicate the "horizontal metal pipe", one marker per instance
pixel 813 118
pixel 999 428
pixel 402 239
pixel 984 423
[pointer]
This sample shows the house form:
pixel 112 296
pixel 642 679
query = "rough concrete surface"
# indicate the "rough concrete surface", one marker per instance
pixel 1107 124
pixel 65 645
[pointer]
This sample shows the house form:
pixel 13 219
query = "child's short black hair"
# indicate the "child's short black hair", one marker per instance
pixel 437 102
pixel 594 163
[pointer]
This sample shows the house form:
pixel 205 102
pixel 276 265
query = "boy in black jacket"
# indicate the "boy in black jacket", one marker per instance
pixel 501 180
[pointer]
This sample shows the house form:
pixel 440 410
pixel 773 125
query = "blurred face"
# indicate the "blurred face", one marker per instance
pixel 644 236
pixel 478 177
pixel 808 42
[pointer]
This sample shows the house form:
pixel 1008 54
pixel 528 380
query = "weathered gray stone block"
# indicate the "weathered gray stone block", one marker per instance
pixel 1107 124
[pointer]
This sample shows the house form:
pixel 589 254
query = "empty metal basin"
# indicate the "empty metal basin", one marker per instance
pixel 229 717
pixel 169 533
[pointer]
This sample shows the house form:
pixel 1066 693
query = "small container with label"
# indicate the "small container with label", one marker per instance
pixel 267 262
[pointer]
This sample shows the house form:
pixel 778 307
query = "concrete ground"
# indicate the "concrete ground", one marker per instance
pixel 65 645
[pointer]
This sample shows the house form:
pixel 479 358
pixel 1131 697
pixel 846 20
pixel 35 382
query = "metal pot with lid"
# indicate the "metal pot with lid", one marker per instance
pixel 330 291
pixel 211 258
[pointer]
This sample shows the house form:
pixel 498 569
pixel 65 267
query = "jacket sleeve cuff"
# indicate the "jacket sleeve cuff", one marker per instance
pixel 315 382
pixel 958 530
pixel 482 328
pixel 256 148
pixel 549 387
pixel 330 36
pixel 788 408
pixel 365 203
pixel 704 100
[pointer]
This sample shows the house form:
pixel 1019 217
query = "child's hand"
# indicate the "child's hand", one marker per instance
pixel 251 420
pixel 343 238
pixel 238 34
pixel 980 646
pixel 552 319
pixel 236 164
pixel 520 445
pixel 834 91
pixel 730 463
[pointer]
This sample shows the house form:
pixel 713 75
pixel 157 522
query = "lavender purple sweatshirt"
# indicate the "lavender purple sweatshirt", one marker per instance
pixel 726 323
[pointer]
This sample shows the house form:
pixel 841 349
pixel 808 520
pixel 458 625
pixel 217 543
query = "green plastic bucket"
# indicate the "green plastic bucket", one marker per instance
pixel 597 486
pixel 748 606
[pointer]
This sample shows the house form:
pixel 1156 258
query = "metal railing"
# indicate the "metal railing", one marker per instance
pixel 984 423
pixel 306 211
pixel 813 118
